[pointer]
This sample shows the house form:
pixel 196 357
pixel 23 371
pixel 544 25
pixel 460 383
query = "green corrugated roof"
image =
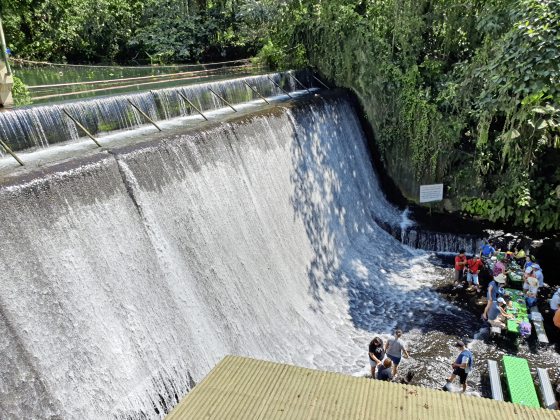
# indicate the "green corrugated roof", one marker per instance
pixel 242 388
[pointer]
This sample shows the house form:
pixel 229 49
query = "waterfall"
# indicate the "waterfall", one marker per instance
pixel 126 275
pixel 41 126
pixel 428 240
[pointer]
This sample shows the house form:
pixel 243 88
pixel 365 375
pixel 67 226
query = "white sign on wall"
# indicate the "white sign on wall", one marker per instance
pixel 433 192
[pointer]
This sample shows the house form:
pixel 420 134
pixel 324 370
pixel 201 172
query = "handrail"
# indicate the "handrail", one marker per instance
pixel 80 92
pixel 21 60
pixel 153 76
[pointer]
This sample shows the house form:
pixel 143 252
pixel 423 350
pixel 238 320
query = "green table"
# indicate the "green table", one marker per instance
pixel 520 382
pixel 518 310
pixel 516 278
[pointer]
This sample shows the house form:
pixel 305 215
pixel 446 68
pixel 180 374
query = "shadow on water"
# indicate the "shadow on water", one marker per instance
pixel 388 285
pixel 337 197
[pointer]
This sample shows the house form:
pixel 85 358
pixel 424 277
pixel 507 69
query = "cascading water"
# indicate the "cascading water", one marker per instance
pixel 428 240
pixel 127 275
pixel 41 126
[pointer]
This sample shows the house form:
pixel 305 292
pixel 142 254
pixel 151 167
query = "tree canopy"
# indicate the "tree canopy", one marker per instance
pixel 158 31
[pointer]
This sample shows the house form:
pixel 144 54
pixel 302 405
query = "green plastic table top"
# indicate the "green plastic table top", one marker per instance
pixel 520 382
pixel 519 310
pixel 515 277
pixel 512 326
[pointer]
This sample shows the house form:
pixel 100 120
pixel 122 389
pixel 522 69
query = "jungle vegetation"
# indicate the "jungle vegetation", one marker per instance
pixel 464 92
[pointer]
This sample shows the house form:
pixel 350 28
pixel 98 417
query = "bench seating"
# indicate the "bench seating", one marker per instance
pixel 547 394
pixel 495 382
pixel 537 320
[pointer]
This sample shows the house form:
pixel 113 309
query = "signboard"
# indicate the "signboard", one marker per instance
pixel 433 192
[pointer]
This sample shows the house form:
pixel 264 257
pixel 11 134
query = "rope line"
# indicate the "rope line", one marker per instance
pixel 21 60
pixel 156 76
pixel 123 86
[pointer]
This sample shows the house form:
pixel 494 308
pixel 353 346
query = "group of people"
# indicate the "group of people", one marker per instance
pixel 499 264
pixel 384 358
pixel 471 267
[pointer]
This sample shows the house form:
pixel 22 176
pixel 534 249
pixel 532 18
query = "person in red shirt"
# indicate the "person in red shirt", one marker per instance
pixel 474 265
pixel 460 263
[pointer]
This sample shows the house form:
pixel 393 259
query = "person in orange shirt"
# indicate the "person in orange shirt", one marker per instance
pixel 556 318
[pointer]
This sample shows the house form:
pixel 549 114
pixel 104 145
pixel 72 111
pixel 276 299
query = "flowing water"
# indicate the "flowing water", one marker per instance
pixel 45 125
pixel 126 276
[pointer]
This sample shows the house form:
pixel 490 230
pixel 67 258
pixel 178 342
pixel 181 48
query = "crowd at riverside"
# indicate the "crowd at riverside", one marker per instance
pixel 500 265
pixel 384 358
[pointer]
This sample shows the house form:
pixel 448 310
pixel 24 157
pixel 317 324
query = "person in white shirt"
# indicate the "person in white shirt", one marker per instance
pixel 555 301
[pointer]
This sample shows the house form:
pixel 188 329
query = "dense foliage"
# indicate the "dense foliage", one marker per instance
pixel 20 93
pixel 156 31
pixel 460 91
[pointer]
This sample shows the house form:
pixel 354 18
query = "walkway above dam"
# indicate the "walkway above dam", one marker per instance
pixel 242 388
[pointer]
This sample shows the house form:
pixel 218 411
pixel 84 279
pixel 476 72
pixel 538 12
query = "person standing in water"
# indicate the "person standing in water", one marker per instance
pixel 376 354
pixel 460 264
pixel 395 350
pixel 462 366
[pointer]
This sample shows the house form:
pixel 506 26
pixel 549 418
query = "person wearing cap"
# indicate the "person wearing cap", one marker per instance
pixel 474 265
pixel 537 271
pixel 497 314
pixel 492 294
pixel 461 367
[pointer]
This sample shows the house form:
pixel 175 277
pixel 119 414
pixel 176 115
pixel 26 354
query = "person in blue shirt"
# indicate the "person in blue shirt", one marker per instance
pixel 462 366
pixel 492 293
pixel 488 250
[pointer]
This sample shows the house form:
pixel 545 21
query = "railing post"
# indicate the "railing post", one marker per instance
pixel 144 114
pixel 192 105
pixel 7 148
pixel 297 81
pixel 256 91
pixel 279 87
pixel 319 80
pixel 82 127
pixel 223 99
